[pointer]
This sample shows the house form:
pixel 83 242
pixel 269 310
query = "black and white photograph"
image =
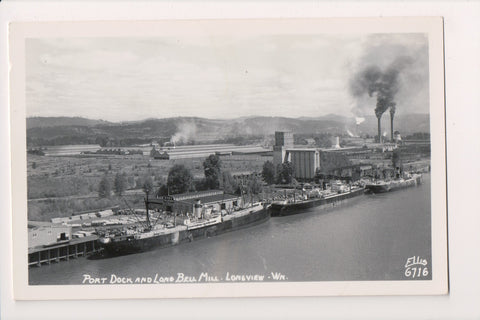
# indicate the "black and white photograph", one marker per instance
pixel 295 157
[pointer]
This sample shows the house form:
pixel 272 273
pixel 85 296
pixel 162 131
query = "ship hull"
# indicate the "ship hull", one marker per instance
pixel 394 185
pixel 129 244
pixel 277 209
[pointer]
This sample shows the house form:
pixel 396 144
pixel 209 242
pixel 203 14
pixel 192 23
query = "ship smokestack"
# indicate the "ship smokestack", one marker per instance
pixel 379 130
pixel 198 208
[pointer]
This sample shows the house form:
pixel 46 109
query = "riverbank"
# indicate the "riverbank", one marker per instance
pixel 367 240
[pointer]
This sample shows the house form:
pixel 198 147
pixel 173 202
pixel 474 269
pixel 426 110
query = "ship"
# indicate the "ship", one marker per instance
pixel 381 186
pixel 202 223
pixel 336 195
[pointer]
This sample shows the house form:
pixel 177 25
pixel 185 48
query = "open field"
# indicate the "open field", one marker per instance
pixel 64 185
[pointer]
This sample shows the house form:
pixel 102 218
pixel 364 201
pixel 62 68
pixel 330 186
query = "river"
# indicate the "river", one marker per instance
pixel 369 238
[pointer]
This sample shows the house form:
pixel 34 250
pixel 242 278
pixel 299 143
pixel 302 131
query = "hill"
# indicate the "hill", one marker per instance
pixel 64 130
pixel 41 122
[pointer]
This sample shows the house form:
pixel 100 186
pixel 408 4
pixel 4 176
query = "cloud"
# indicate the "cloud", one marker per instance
pixel 135 78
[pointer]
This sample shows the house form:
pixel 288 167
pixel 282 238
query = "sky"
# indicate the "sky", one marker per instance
pixel 124 79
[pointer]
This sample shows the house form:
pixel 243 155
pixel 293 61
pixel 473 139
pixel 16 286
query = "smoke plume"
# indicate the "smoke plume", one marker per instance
pixel 382 84
pixel 359 120
pixel 186 132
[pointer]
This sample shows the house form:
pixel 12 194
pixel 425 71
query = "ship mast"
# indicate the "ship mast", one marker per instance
pixel 148 214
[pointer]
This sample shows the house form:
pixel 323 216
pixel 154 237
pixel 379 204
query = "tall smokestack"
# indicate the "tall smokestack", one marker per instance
pixel 383 84
pixel 378 113
pixel 392 115
pixel 379 129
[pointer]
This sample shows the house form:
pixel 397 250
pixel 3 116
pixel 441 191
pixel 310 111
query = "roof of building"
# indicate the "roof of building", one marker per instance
pixel 205 197
pixel 196 194
pixel 302 149
pixel 212 198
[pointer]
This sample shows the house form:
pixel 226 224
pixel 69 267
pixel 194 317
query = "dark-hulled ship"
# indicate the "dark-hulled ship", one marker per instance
pixel 326 198
pixel 202 223
pixel 380 186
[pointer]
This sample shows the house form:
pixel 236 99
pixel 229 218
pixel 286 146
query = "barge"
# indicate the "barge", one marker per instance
pixel 331 199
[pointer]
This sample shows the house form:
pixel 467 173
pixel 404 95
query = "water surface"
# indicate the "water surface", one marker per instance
pixel 369 238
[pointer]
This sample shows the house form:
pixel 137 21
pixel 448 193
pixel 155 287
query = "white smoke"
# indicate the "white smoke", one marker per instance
pixel 186 132
pixel 359 120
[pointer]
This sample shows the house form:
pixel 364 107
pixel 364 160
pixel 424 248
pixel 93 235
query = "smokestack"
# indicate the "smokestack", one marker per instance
pixel 392 115
pixel 337 143
pixel 383 84
pixel 379 130
pixel 391 126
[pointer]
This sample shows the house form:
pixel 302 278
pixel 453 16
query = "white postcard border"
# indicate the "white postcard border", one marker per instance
pixel 432 26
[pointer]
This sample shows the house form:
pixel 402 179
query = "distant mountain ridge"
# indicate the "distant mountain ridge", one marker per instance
pixel 66 130
pixel 35 122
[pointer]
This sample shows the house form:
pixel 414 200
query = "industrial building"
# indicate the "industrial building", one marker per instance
pixel 283 141
pixel 186 203
pixel 201 151
pixel 305 161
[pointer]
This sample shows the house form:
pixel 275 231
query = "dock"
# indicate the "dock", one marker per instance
pixel 65 251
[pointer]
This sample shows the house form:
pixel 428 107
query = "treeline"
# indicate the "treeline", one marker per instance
pixel 322 140
pixel 180 180
pixel 33 141
pixel 241 140
pixel 36 152
pixel 282 174
pixel 110 142
pixel 103 141
pixel 115 151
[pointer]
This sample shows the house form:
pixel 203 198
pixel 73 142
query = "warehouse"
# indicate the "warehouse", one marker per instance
pixel 185 203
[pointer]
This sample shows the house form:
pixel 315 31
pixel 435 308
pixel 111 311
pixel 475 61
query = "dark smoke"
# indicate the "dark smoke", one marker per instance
pixel 384 84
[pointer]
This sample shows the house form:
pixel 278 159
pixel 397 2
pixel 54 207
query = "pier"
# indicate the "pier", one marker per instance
pixel 65 251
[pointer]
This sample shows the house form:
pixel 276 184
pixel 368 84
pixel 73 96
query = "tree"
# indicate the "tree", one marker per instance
pixel 162 190
pixel 147 185
pixel 180 179
pixel 268 172
pixel 285 173
pixel 200 184
pixel 254 185
pixel 104 187
pixel 228 184
pixel 212 168
pixel 120 183
pixel 323 141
